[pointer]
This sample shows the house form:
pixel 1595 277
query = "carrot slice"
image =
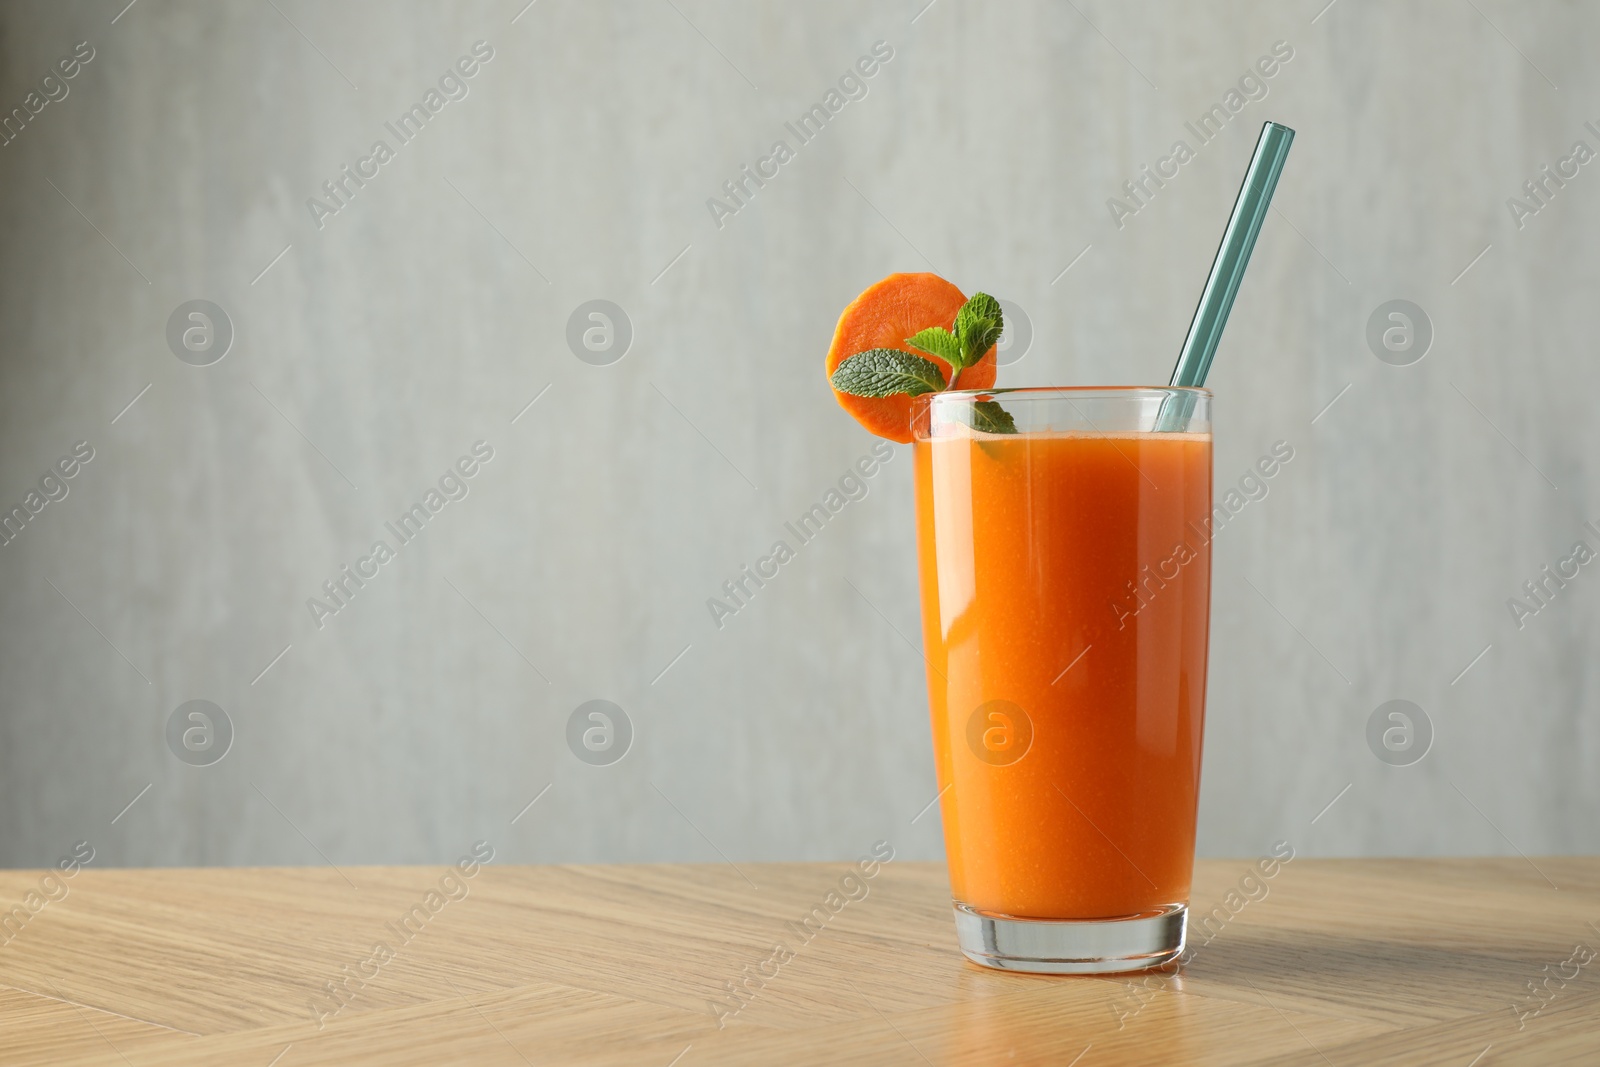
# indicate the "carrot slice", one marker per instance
pixel 883 317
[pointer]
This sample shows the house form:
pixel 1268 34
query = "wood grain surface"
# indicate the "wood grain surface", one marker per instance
pixel 1330 962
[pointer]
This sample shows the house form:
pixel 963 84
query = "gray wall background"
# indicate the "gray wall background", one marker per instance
pixel 430 310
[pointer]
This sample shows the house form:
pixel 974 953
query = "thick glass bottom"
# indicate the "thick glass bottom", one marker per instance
pixel 1071 946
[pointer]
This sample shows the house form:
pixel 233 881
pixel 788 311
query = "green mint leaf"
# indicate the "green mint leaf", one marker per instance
pixel 885 371
pixel 981 338
pixel 978 326
pixel 989 417
pixel 938 341
pixel 983 306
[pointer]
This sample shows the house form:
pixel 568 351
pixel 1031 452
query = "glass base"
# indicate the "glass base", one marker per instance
pixel 1071 946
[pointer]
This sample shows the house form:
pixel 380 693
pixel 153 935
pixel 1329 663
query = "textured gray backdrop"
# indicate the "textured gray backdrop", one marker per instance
pixel 427 312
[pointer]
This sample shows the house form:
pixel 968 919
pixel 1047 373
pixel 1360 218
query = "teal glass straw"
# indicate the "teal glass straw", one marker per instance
pixel 1227 270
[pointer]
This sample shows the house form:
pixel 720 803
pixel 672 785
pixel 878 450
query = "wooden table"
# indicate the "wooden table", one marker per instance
pixel 1341 962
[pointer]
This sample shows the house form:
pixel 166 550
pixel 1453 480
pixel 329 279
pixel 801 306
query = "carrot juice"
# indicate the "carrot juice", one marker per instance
pixel 1066 578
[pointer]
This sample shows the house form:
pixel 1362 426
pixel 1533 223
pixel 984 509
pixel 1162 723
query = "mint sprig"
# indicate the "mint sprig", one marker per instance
pixel 880 372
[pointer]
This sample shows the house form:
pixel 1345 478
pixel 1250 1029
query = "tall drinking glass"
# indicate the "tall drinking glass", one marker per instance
pixel 1066 591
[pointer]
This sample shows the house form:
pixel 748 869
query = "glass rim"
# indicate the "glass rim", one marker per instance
pixel 1159 409
pixel 1024 392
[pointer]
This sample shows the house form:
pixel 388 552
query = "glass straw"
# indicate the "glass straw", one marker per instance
pixel 1227 270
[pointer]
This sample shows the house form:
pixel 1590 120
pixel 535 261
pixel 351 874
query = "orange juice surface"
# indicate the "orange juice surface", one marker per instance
pixel 1066 586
